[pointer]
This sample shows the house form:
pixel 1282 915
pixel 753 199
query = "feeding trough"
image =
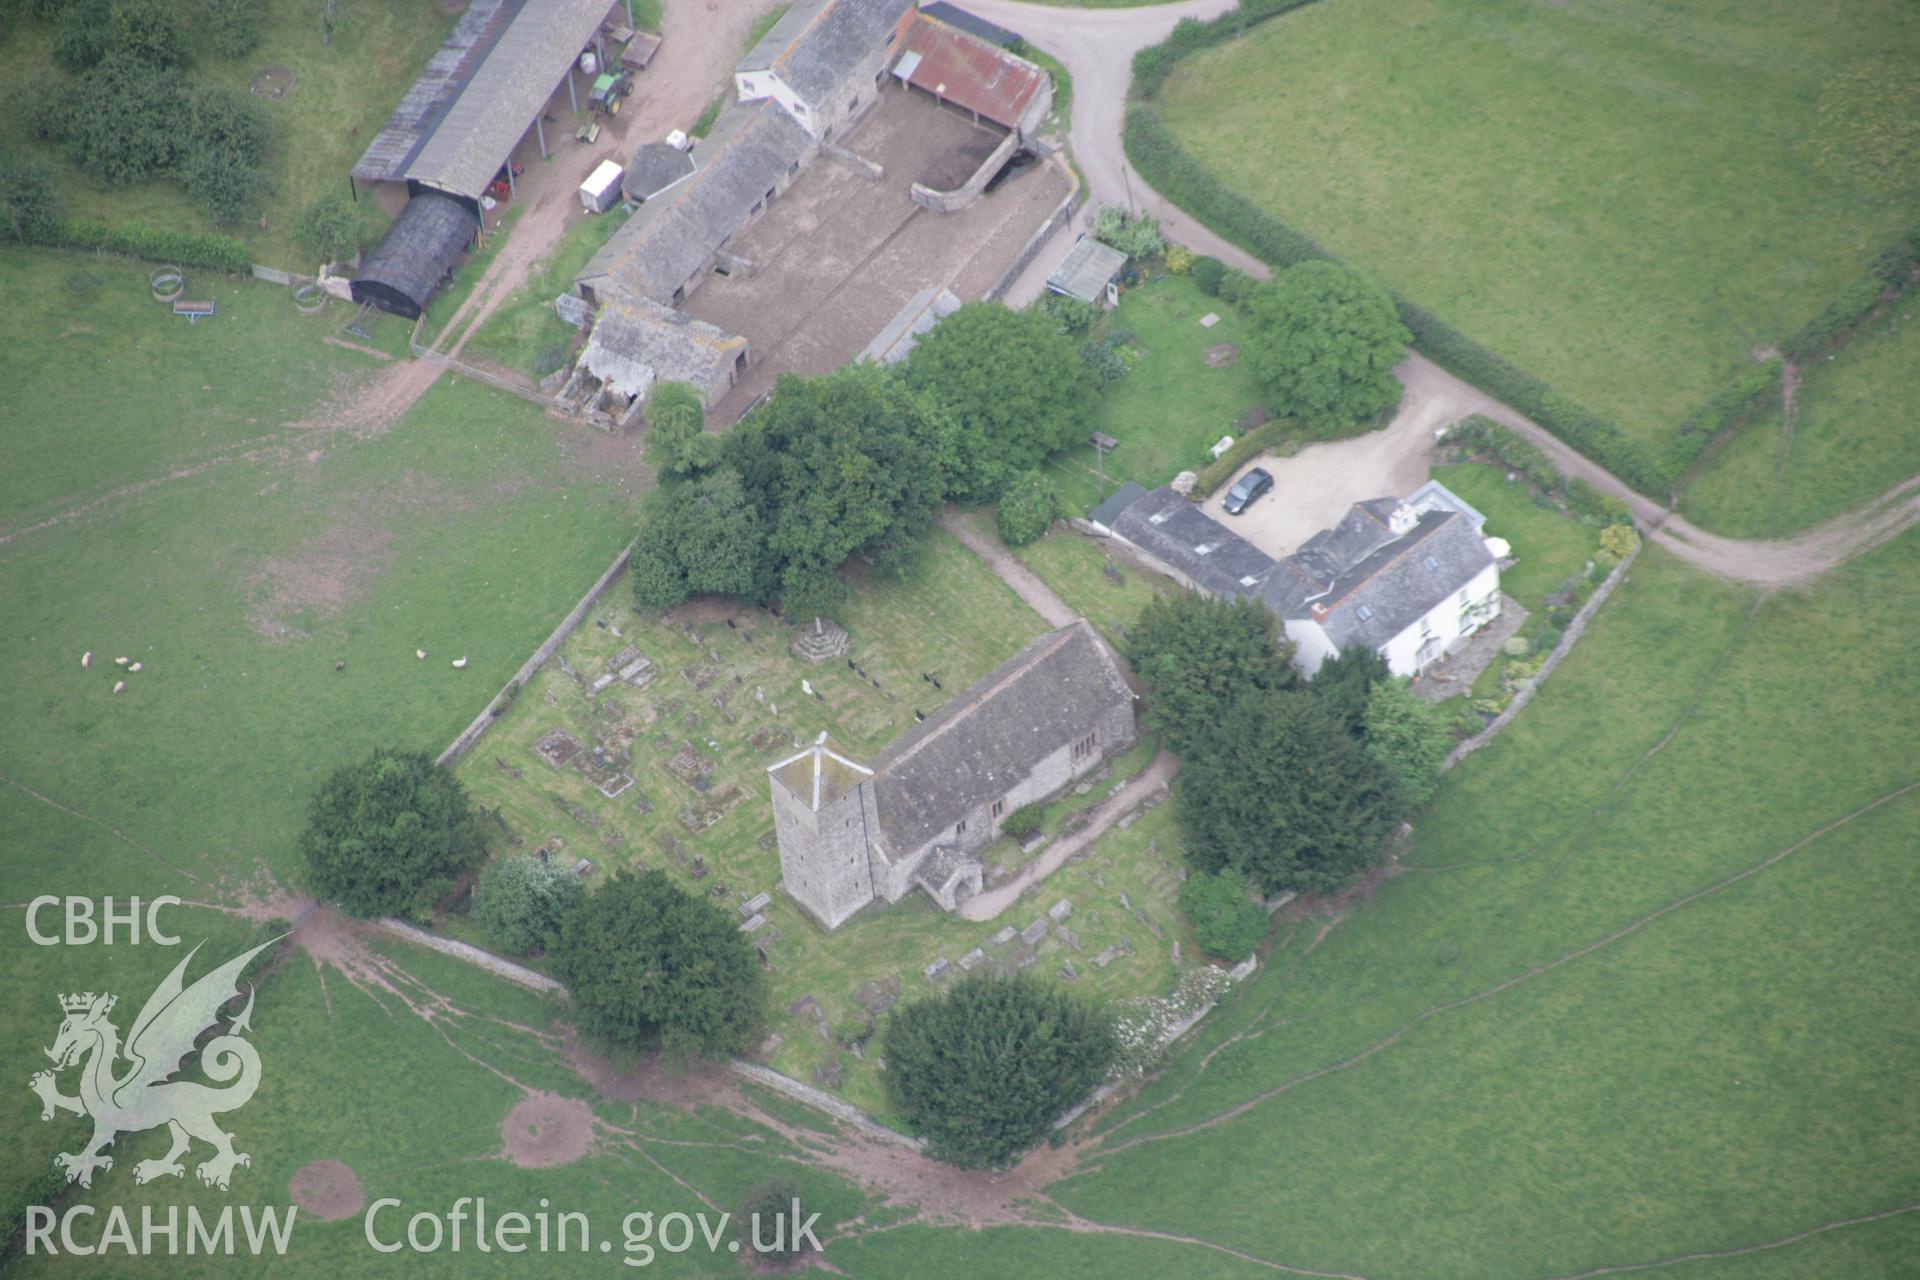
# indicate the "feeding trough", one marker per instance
pixel 167 283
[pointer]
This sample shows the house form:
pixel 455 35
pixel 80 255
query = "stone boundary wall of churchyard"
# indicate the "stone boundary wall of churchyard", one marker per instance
pixel 498 707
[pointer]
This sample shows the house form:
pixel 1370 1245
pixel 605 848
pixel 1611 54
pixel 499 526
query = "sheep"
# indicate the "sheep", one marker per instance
pixel 86 660
pixel 118 685
pixel 120 662
pixel 134 667
pixel 420 654
pixel 458 663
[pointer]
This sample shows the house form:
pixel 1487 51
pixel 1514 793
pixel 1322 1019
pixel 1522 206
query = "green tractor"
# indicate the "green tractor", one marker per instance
pixel 608 89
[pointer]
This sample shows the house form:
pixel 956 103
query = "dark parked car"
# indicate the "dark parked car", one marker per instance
pixel 1247 490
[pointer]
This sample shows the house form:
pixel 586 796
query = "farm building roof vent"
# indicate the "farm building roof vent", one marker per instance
pixel 1203 549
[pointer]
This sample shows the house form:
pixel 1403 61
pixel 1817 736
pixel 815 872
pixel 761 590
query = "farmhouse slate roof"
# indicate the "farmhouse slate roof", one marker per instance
pixel 971 73
pixel 1373 582
pixel 750 150
pixel 972 24
pixel 1179 534
pixel 1382 595
pixel 434 89
pixel 655 167
pixel 479 126
pixel 637 341
pixel 817 44
pixel 992 735
pixel 1087 270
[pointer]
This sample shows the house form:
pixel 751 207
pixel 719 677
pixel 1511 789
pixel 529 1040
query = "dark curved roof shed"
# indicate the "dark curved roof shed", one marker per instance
pixel 402 272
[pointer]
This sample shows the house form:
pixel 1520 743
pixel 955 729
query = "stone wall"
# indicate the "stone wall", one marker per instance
pixel 471 734
pixel 1062 214
pixel 973 188
pixel 1574 631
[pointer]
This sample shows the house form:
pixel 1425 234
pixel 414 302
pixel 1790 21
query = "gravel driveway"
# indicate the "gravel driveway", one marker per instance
pixel 1314 488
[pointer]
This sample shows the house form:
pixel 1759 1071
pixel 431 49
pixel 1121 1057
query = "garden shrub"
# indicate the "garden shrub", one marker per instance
pixel 1209 274
pixel 769 1224
pixel 1180 259
pixel 522 901
pixel 1074 316
pixel 1026 509
pixel 233 26
pixel 1022 822
pixel 1226 922
pixel 1137 236
pixel 1617 541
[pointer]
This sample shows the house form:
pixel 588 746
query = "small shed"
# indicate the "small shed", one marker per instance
pixel 405 269
pixel 601 191
pixel 655 167
pixel 1090 272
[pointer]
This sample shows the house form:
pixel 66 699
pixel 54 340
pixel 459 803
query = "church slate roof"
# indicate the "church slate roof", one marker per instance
pixel 991 736
pixel 817 44
pixel 819 775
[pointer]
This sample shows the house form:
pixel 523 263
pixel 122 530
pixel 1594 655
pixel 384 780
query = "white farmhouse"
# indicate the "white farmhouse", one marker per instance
pixel 1410 579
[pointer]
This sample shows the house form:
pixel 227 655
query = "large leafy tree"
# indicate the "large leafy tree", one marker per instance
pixel 676 429
pixel 983 1070
pixel 523 901
pixel 837 465
pixel 1410 736
pixel 389 835
pixel 649 964
pixel 1198 656
pixel 1326 338
pixel 1345 681
pixel 1015 388
pixel 130 123
pixel 699 538
pixel 1280 793
pixel 224 161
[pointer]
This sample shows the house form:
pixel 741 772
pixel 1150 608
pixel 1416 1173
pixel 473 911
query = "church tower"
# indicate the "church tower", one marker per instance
pixel 825 818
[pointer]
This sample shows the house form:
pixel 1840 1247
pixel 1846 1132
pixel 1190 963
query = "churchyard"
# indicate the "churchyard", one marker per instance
pixel 665 767
pixel 1631 202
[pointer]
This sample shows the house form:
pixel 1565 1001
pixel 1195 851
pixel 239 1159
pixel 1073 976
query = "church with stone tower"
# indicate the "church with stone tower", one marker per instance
pixel 851 833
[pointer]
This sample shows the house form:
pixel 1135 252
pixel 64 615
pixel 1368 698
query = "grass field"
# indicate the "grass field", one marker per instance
pixel 1625 199
pixel 344 90
pixel 725 703
pixel 1853 438
pixel 1172 404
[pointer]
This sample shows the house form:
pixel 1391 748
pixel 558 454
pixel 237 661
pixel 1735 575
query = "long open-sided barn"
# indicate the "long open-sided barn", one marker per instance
pixel 457 127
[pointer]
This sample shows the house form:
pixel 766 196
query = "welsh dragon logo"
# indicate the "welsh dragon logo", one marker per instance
pixel 143 1097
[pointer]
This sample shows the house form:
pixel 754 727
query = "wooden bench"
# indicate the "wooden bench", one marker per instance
pixel 193 311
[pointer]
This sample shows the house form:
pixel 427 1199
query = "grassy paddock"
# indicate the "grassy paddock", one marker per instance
pixel 1853 438
pixel 1645 188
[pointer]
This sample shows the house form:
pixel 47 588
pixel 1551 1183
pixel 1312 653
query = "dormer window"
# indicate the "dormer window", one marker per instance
pixel 1431 563
pixel 1363 613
